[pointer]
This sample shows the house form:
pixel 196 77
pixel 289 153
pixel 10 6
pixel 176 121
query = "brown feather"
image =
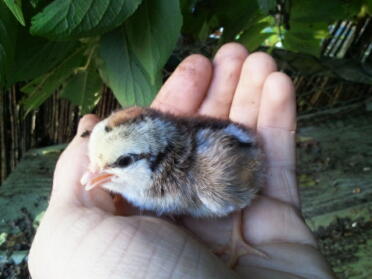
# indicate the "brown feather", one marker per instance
pixel 123 116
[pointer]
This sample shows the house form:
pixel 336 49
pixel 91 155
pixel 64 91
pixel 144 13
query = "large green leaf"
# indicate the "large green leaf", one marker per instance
pixel 83 89
pixel 39 56
pixel 153 32
pixel 15 7
pixel 122 71
pixel 79 18
pixel 306 37
pixel 41 88
pixel 8 34
pixel 134 55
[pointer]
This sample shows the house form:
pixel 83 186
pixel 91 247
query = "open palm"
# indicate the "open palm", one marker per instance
pixel 81 238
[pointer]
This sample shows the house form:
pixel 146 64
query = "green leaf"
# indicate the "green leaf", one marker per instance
pixel 295 43
pixel 153 32
pixel 63 19
pixel 306 11
pixel 8 35
pixel 236 17
pixel 16 8
pixel 39 57
pixel 41 88
pixel 3 237
pixel 134 55
pixel 253 36
pixel 83 89
pixel 122 71
pixel 306 37
pixel 367 7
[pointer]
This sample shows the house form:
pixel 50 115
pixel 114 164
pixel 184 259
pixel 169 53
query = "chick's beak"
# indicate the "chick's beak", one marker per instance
pixel 93 179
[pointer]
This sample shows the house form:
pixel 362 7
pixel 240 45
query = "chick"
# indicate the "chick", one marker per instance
pixel 200 166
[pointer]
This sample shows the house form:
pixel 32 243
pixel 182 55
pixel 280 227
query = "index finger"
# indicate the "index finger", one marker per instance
pixel 186 88
pixel 276 127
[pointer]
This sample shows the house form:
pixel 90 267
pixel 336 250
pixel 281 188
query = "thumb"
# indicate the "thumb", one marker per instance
pixel 73 162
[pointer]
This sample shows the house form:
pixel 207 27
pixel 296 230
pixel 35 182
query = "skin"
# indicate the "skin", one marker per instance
pixel 80 237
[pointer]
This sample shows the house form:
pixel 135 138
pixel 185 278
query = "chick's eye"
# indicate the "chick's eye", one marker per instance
pixel 124 161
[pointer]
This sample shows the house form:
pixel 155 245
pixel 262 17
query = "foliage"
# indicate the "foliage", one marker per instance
pixel 75 46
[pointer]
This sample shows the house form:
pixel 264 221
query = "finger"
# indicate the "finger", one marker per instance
pixel 265 220
pixel 246 102
pixel 283 223
pixel 86 124
pixel 185 89
pixel 227 65
pixel 276 126
pixel 71 165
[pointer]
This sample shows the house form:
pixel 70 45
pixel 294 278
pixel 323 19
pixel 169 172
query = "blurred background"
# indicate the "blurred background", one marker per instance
pixel 62 59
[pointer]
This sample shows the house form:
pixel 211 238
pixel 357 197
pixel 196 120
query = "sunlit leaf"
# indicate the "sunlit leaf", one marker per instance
pixel 134 55
pixel 16 7
pixel 83 89
pixel 122 71
pixel 78 18
pixel 306 37
pixel 151 37
pixel 254 36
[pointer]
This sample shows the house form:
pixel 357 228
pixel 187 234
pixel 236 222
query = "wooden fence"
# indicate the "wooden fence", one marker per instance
pixel 54 122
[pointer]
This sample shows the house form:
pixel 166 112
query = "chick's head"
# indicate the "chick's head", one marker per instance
pixel 122 149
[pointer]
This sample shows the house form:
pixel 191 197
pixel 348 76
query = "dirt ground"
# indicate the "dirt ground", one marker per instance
pixel 13 257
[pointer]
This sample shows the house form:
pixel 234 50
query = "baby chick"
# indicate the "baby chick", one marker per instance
pixel 200 166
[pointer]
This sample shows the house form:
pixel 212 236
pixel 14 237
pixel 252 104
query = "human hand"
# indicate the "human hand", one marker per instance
pixel 81 238
pixel 249 90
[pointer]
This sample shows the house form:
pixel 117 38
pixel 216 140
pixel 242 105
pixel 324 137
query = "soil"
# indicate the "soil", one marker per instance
pixel 16 248
pixel 341 241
